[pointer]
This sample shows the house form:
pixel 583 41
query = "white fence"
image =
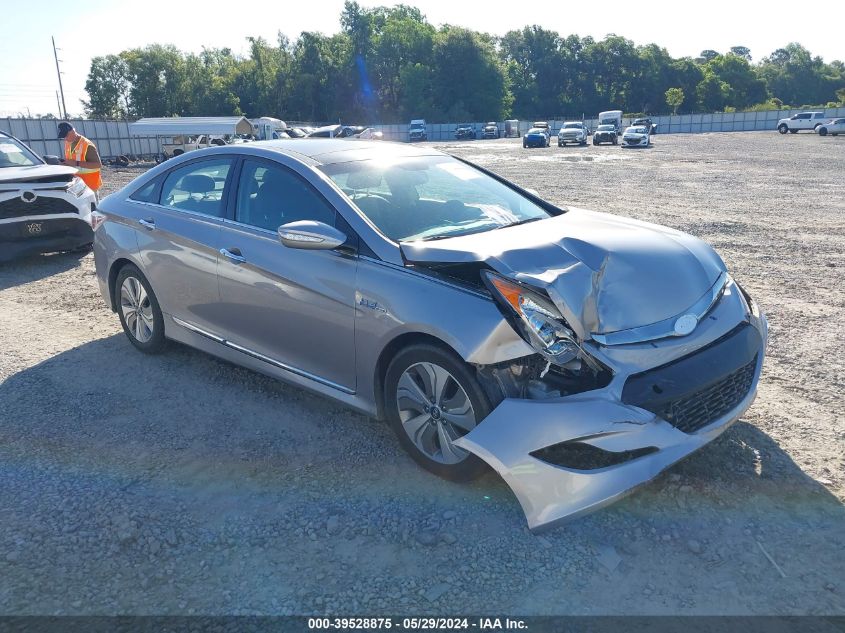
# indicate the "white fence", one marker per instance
pixel 112 137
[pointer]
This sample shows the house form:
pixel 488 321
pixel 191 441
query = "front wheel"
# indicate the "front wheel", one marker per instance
pixel 432 398
pixel 138 309
pixel 783 128
pixel 822 131
pixel 793 131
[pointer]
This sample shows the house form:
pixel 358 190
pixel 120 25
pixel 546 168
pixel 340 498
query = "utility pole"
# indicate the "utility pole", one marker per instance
pixel 58 104
pixel 59 74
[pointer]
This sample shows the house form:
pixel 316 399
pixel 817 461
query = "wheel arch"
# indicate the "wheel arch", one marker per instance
pixel 117 265
pixel 388 353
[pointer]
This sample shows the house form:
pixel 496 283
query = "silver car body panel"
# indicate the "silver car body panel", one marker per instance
pixel 619 283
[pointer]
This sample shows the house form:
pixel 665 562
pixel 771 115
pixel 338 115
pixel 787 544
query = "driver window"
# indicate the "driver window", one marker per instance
pixel 271 195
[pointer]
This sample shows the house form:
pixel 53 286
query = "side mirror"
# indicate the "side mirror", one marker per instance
pixel 310 235
pixel 50 159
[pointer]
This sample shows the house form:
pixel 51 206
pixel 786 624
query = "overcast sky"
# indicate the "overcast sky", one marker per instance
pixel 99 27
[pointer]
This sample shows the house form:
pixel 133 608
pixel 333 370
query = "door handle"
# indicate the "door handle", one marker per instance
pixel 233 254
pixel 147 224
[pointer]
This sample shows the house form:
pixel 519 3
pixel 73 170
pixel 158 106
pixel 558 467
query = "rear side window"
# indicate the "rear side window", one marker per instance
pixel 147 193
pixel 198 187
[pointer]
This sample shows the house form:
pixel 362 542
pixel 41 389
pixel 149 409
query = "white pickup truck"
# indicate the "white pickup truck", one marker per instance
pixel 182 144
pixel 802 121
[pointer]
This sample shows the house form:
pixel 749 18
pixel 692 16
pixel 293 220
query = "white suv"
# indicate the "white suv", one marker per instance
pixel 801 121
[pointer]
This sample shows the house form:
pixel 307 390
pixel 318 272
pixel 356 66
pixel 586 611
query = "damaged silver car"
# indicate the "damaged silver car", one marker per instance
pixel 576 353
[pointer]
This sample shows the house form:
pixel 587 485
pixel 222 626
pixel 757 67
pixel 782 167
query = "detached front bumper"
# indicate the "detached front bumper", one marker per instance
pixel 568 456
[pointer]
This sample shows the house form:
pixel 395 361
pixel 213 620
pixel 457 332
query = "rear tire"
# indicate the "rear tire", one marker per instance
pixel 432 397
pixel 138 310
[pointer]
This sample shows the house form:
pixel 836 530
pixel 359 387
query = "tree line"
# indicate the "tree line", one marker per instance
pixel 389 64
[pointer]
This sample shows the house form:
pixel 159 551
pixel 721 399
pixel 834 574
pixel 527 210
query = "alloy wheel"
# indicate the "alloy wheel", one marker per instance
pixel 435 410
pixel 136 309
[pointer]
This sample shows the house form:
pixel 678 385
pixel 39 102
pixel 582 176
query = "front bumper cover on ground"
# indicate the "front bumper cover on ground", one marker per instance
pixel 640 443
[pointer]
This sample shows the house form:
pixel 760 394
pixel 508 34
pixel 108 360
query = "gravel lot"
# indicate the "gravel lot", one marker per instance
pixel 180 484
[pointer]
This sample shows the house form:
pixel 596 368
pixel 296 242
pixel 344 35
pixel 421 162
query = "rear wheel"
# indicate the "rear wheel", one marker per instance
pixel 138 309
pixel 431 399
pixel 783 128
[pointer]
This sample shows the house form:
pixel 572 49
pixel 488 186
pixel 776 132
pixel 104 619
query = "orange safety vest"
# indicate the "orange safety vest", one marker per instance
pixel 91 177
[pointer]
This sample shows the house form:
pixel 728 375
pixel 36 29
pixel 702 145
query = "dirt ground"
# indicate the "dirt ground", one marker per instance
pixel 180 484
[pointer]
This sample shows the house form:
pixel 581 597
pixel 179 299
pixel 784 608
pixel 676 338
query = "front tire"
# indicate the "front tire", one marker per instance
pixel 431 398
pixel 783 128
pixel 822 131
pixel 793 131
pixel 138 310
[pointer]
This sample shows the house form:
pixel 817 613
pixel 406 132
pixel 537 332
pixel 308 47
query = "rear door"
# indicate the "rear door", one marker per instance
pixel 178 239
pixel 293 307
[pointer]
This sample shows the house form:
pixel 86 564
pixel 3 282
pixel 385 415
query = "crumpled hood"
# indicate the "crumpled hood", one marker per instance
pixel 604 273
pixel 35 172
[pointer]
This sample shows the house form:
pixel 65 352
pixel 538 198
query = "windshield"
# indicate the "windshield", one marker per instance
pixel 536 130
pixel 417 126
pixel 430 197
pixel 14 154
pixel 569 126
pixel 637 130
pixel 605 128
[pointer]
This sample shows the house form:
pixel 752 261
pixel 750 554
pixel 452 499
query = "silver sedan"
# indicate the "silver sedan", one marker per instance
pixel 576 353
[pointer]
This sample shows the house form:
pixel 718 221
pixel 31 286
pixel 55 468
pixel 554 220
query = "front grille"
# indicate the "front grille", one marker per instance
pixel 694 412
pixel 42 205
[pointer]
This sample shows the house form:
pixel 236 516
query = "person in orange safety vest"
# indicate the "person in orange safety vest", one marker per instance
pixel 82 154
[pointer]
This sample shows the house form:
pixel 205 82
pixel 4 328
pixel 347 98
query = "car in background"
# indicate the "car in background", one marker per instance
pixel 801 121
pixel 544 125
pixel 44 207
pixel 326 131
pixel 465 131
pixel 370 134
pixel 572 132
pixel 490 130
pixel 834 127
pixel 536 137
pixel 417 131
pixel 579 354
pixel 611 117
pixel 652 127
pixel 605 133
pixel 636 136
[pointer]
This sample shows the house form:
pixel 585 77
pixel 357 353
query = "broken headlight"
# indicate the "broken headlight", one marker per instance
pixel 540 322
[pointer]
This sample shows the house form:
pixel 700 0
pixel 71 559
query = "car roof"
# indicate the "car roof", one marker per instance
pixel 329 151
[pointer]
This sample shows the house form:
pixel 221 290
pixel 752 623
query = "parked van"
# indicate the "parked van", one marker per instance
pixel 417 131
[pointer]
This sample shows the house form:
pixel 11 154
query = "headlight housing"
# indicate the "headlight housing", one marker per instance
pixel 539 321
pixel 77 186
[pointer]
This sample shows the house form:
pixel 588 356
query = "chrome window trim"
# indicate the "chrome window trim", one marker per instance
pixel 270 361
pixel 666 328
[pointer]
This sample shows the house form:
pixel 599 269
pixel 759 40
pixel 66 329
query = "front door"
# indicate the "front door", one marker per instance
pixel 295 307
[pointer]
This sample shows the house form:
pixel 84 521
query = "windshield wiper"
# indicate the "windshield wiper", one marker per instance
pixel 525 221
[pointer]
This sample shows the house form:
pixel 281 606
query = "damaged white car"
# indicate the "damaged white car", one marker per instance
pixel 576 353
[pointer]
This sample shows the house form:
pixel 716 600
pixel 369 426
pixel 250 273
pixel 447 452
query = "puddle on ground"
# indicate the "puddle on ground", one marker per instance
pixel 579 158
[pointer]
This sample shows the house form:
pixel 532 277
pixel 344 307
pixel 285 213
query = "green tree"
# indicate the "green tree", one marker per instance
pixel 107 87
pixel 674 98
pixel 746 87
pixel 741 51
pixel 469 82
pixel 712 92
